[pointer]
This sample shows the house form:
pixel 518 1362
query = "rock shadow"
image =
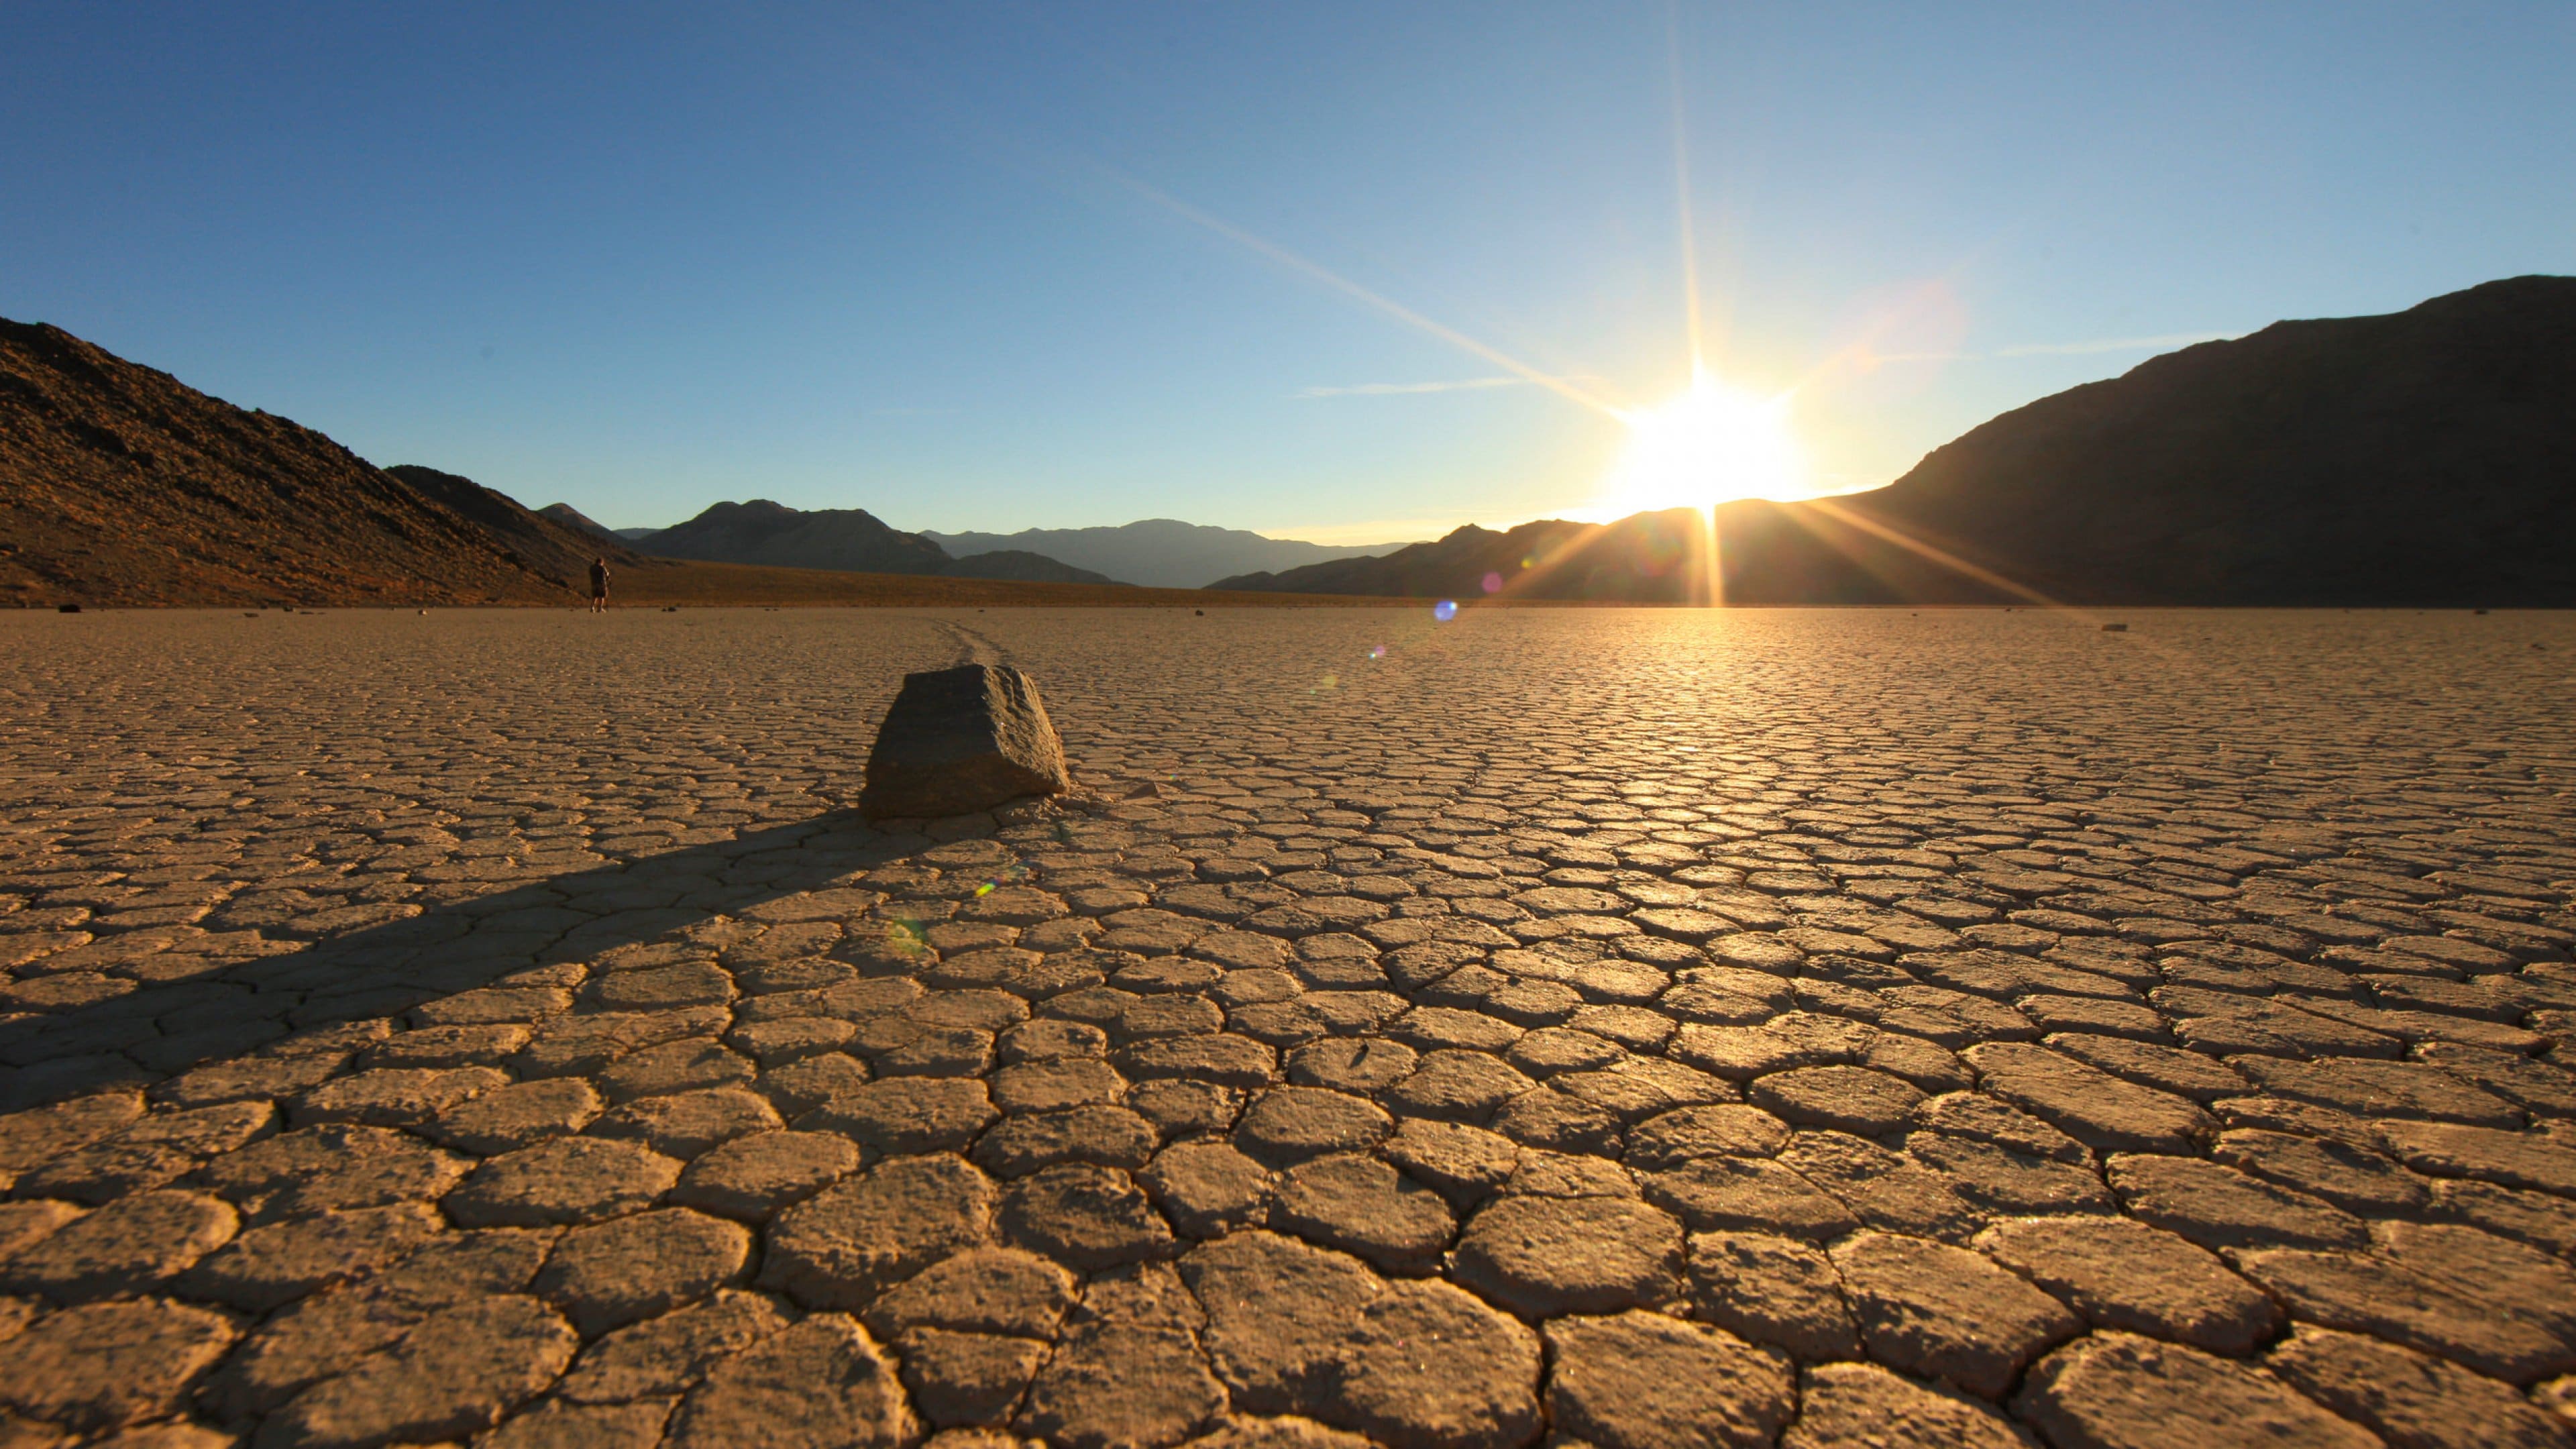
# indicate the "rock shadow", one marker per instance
pixel 180 1019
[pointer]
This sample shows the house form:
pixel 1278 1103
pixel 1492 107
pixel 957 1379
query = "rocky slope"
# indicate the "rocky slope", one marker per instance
pixel 2422 458
pixel 1772 554
pixel 2425 457
pixel 580 522
pixel 850 539
pixel 122 485
pixel 1161 552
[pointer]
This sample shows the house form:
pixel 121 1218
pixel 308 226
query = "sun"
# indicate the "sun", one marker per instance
pixel 1709 445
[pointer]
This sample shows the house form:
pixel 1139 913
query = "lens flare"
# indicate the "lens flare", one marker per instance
pixel 1445 610
pixel 1712 444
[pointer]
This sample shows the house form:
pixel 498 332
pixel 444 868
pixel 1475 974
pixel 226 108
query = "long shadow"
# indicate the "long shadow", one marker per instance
pixel 166 1026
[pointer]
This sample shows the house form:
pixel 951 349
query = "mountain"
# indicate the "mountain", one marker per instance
pixel 1160 552
pixel 122 485
pixel 2423 458
pixel 573 518
pixel 1016 563
pixel 849 539
pixel 1773 553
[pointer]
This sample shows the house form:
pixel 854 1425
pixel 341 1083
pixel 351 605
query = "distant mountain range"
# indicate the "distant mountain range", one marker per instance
pixel 2427 457
pixel 2423 458
pixel 1160 552
pixel 850 539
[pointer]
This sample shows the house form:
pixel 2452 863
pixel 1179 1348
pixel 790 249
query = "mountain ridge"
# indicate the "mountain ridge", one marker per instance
pixel 2416 458
pixel 1160 552
pixel 853 540
pixel 121 484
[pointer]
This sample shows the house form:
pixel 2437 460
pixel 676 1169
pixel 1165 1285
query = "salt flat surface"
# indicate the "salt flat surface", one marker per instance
pixel 1644 1027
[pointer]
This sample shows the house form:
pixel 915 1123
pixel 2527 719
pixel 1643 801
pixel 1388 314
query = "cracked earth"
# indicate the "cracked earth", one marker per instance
pixel 1582 1027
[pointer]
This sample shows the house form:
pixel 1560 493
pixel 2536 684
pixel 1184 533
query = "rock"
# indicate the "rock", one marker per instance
pixel 1772 1290
pixel 2117 1391
pixel 102 1365
pixel 456 1372
pixel 960 740
pixel 1946 1313
pixel 610 1274
pixel 1541 1256
pixel 2410 1398
pixel 823 1381
pixel 852 1242
pixel 1643 1381
pixel 1848 1404
pixel 2123 1274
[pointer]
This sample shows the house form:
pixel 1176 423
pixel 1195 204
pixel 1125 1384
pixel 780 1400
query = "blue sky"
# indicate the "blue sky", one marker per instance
pixel 995 266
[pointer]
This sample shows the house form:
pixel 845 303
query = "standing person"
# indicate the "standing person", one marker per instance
pixel 599 586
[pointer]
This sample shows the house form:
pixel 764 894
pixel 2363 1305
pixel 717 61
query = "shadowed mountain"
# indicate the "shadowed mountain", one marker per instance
pixel 849 539
pixel 2426 457
pixel 573 518
pixel 1774 554
pixel 122 485
pixel 1159 552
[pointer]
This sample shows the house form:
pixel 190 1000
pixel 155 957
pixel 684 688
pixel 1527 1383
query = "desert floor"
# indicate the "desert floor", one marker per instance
pixel 1640 1028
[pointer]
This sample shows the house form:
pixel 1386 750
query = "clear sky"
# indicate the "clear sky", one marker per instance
pixel 995 266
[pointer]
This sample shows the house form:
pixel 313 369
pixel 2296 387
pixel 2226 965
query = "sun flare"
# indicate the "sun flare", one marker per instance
pixel 1709 445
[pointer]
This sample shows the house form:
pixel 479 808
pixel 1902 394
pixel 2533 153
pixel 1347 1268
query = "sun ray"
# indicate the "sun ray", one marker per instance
pixel 1853 518
pixel 1388 305
pixel 1682 195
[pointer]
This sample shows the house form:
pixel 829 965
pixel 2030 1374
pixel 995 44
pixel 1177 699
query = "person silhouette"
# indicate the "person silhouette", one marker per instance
pixel 599 585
